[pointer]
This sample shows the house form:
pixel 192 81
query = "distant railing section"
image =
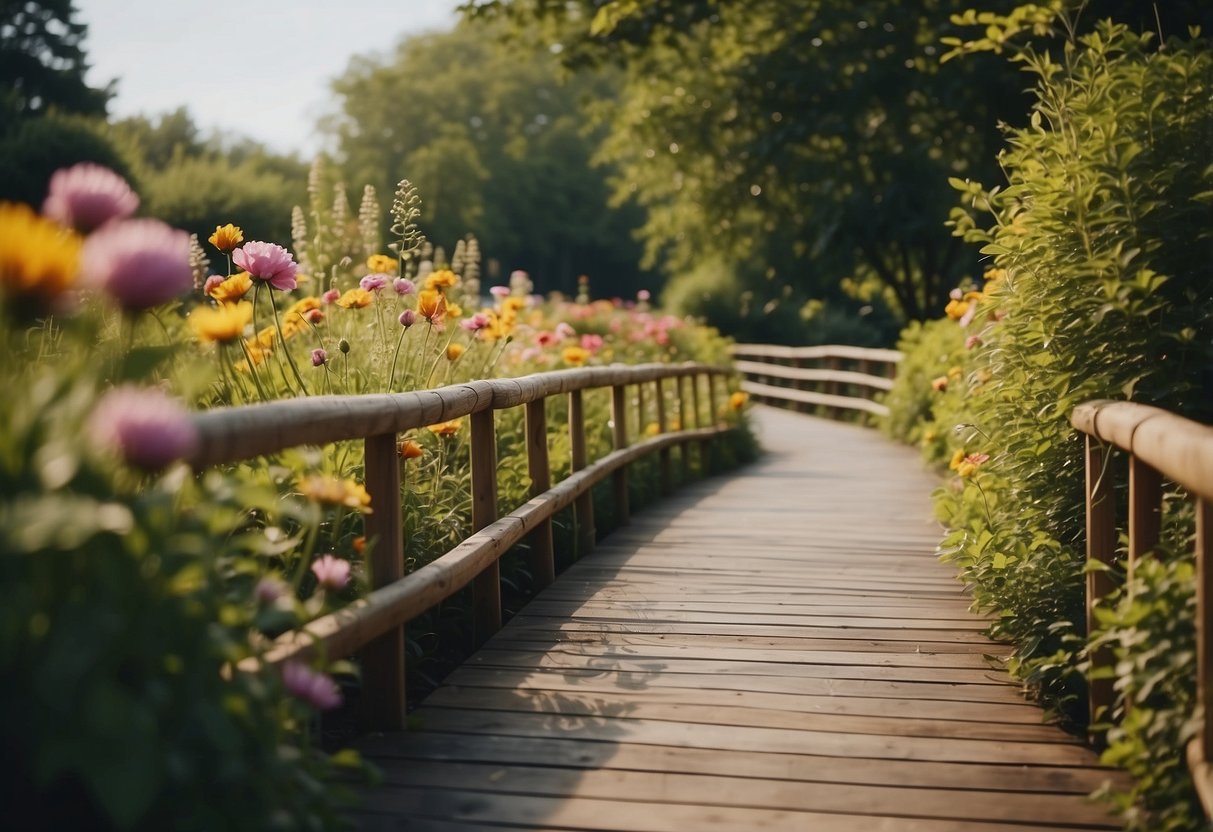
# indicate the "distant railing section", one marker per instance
pixel 833 378
pixel 374 626
pixel 1161 445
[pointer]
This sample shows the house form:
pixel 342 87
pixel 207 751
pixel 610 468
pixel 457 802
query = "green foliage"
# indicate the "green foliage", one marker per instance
pixel 1100 243
pixel 496 141
pixel 37 147
pixel 916 410
pixel 42 62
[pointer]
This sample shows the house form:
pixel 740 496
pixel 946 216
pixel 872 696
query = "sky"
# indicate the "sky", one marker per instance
pixel 258 68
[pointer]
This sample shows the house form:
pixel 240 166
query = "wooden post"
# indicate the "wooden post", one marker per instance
pixel 833 388
pixel 541 560
pixel 583 507
pixel 383 704
pixel 664 454
pixel 684 452
pixel 1145 512
pixel 486 588
pixel 619 421
pixel 1204 639
pixel 1101 548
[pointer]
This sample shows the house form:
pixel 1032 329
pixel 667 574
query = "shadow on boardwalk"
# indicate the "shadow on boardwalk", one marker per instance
pixel 778 649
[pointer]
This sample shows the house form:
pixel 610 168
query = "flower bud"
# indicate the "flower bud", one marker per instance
pixel 344 346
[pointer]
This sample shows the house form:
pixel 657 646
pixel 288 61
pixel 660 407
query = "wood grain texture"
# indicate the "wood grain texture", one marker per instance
pixel 779 649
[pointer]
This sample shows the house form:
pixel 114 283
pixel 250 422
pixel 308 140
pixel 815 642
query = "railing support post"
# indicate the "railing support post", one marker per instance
pixel 383 700
pixel 583 506
pixel 1204 641
pixel 541 559
pixel 664 454
pixel 683 424
pixel 619 421
pixel 486 588
pixel 1101 554
pixel 1145 512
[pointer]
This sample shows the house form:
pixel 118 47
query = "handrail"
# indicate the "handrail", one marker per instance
pixel 1161 445
pixel 845 383
pixel 375 625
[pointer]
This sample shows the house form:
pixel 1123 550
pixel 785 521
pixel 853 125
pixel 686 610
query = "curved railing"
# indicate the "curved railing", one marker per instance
pixel 833 377
pixel 1161 445
pixel 374 625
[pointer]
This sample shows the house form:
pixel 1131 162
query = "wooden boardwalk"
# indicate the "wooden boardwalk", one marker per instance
pixel 778 649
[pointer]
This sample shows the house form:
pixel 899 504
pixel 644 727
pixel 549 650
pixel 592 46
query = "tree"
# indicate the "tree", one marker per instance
pixel 497 146
pixel 42 60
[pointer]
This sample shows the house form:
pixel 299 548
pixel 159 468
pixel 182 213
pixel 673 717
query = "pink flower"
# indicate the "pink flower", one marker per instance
pixel 139 263
pixel 546 339
pixel 313 316
pixel 331 296
pixel 310 686
pixel 403 286
pixel 407 318
pixel 563 331
pixel 374 282
pixel 86 196
pixel 331 572
pixel 972 341
pixel 476 323
pixel 268 590
pixel 269 262
pixel 499 292
pixel 593 343
pixel 211 282
pixel 956 294
pixel 319 357
pixel 643 295
pixel 147 427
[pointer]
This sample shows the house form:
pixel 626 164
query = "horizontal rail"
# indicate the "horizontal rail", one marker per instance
pixel 1161 445
pixel 817 353
pixel 779 377
pixel 237 433
pixel 374 626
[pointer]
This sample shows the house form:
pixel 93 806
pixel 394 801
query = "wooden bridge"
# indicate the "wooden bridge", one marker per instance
pixel 774 649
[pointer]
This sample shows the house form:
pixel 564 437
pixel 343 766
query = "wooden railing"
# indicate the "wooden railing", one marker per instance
pixel 840 378
pixel 1161 445
pixel 374 626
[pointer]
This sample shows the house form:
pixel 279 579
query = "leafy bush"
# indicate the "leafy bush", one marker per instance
pixel 1100 246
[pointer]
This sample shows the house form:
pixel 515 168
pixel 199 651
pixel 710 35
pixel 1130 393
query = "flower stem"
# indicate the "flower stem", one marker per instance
pixel 391 376
pixel 290 359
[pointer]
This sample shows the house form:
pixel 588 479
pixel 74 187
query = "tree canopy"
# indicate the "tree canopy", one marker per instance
pixel 497 144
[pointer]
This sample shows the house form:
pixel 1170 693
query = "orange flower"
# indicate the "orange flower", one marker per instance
pixel 359 544
pixel 356 299
pixel 431 305
pixel 442 279
pixel 446 428
pixel 226 237
pixel 382 264
pixel 409 450
pixel 737 400
pixel 38 258
pixel 575 356
pixel 939 384
pixel 454 351
pixel 233 289
pixel 337 492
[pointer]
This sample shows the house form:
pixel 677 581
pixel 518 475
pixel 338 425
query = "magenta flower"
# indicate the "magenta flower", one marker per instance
pixel 407 318
pixel 332 572
pixel 499 292
pixel 86 196
pixel 643 295
pixel 147 427
pixel 310 686
pixel 269 262
pixel 546 339
pixel 374 282
pixel 591 342
pixel 313 317
pixel 403 286
pixel 331 296
pixel 319 357
pixel 139 263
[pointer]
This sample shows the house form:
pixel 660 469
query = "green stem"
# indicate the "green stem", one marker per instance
pixel 290 359
pixel 439 357
pixel 391 376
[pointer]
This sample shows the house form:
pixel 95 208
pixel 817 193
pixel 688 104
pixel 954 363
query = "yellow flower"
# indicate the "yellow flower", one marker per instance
pixel 356 299
pixel 446 428
pixel 652 429
pixel 265 338
pixel 956 309
pixel 442 279
pixel 233 289
pixel 37 257
pixel 957 459
pixel 223 324
pixel 382 264
pixel 336 492
pixel 737 400
pixel 954 373
pixel 575 356
pixel 454 310
pixel 969 465
pixel 513 304
pixel 453 352
pixel 431 305
pixel 293 320
pixel 256 352
pixel 226 237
